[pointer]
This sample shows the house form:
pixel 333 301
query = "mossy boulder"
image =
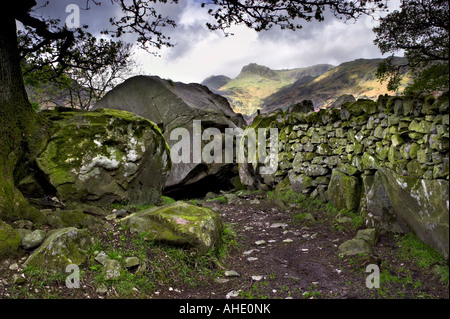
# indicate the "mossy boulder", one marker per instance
pixel 422 205
pixel 9 241
pixel 62 247
pixel 344 191
pixel 105 156
pixel 175 105
pixel 180 224
pixel 75 218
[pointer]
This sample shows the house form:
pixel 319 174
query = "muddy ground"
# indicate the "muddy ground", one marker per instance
pixel 278 252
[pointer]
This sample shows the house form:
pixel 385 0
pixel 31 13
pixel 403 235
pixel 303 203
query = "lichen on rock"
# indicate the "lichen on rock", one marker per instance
pixel 105 156
pixel 179 223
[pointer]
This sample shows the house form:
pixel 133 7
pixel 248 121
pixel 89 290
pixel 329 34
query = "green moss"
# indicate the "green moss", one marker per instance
pixel 9 241
pixel 179 224
pixel 164 200
pixel 85 146
pixel 63 247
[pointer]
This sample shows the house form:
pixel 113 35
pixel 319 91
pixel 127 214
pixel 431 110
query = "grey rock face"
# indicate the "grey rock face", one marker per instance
pixel 176 105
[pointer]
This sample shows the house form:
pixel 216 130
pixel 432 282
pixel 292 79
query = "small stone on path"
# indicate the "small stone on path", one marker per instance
pixel 231 273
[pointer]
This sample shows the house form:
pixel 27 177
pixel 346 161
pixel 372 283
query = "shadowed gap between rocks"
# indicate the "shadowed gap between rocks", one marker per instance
pixel 198 183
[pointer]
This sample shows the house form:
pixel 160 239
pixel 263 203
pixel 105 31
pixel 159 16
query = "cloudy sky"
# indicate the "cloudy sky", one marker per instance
pixel 199 53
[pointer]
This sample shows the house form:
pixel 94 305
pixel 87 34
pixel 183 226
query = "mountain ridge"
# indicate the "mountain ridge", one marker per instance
pixel 256 82
pixel 357 78
pixel 260 88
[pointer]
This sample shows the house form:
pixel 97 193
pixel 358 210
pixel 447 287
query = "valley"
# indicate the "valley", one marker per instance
pixel 261 88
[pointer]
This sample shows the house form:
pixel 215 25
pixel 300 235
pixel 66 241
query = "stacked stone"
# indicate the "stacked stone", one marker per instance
pixel 406 134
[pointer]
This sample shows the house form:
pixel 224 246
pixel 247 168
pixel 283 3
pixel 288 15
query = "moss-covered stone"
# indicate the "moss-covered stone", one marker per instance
pixel 413 150
pixel 439 143
pixel 396 140
pixel 324 149
pixel 414 168
pixel 63 247
pixel 420 127
pixel 316 170
pixel 381 150
pixel 33 239
pixel 355 246
pixel 300 183
pixel 423 156
pixel 179 224
pixel 344 191
pixel 441 170
pixel 422 205
pixel 9 241
pixel 105 156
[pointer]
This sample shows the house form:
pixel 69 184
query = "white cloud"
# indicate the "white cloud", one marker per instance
pixel 211 53
pixel 199 52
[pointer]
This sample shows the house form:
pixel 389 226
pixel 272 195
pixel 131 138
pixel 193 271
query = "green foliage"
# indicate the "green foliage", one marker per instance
pixel 423 255
pixel 429 79
pixel 165 200
pixel 220 199
pixel 420 29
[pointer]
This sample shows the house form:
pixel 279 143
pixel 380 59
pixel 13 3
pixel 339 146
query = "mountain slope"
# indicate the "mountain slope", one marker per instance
pixel 356 78
pixel 215 82
pixel 254 83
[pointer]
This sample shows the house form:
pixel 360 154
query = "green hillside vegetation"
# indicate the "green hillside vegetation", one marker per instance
pixel 357 78
pixel 248 90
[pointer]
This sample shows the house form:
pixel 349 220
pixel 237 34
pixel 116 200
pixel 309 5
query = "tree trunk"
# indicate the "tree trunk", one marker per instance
pixel 20 128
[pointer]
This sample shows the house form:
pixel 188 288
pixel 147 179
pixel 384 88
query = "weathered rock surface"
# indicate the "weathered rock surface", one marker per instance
pixel 104 156
pixel 344 191
pixel 421 205
pixel 355 246
pixel 33 239
pixel 179 224
pixel 176 105
pixel 62 247
pixel 9 241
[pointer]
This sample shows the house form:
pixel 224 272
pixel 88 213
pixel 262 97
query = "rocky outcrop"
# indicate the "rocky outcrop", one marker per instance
pixel 104 156
pixel 176 105
pixel 179 223
pixel 61 248
pixel 386 159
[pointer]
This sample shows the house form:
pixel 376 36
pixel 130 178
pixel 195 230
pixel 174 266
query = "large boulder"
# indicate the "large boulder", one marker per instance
pixel 399 203
pixel 174 105
pixel 104 156
pixel 179 223
pixel 61 248
pixel 422 205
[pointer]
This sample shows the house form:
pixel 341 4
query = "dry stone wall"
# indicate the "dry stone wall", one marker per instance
pixel 387 159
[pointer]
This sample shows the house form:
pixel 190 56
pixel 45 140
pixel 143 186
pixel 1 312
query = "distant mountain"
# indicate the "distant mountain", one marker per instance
pixel 215 82
pixel 246 92
pixel 355 78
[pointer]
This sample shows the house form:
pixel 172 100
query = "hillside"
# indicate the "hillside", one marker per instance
pixel 246 92
pixel 215 82
pixel 356 78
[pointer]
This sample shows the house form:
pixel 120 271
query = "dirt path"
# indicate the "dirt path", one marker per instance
pixel 281 251
pixel 281 257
